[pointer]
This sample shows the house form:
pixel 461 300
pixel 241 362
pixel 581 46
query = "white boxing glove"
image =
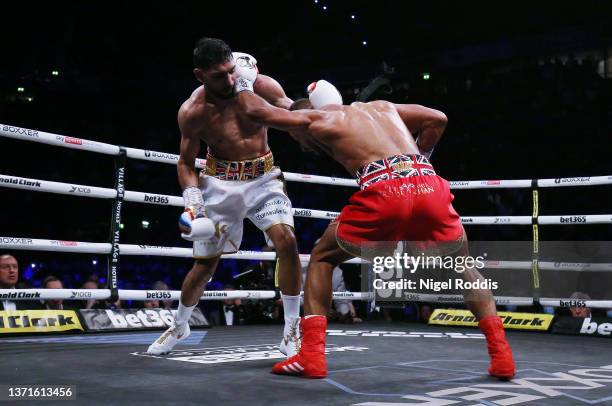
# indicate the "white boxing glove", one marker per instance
pixel 246 71
pixel 193 221
pixel 322 93
pixel 202 228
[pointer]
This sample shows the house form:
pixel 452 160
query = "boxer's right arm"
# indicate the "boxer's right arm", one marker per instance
pixel 428 124
pixel 189 149
pixel 186 170
pixel 262 112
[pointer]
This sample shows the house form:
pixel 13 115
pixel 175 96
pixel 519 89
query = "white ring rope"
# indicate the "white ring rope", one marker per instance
pixel 31 244
pixel 103 294
pixel 38 185
pixel 26 134
pixel 142 295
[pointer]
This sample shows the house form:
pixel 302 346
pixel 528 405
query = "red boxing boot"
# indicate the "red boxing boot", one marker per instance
pixel 502 364
pixel 310 360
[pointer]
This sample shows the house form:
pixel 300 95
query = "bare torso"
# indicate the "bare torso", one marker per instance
pixel 358 134
pixel 228 133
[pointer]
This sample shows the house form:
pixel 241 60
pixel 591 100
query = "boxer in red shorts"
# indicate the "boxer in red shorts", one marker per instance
pixel 401 198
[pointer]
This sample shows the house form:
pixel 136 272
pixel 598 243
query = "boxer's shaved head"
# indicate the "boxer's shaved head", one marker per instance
pixel 210 51
pixel 301 104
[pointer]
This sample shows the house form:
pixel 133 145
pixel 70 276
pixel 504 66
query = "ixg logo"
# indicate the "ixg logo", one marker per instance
pixel 80 295
pixel 501 220
pixel 79 189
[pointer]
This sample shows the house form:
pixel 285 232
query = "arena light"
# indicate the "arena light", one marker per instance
pixel 20 89
pixel 425 76
pixel 364 42
pixel 324 7
pixel 55 73
pixel 352 16
pixel 121 226
pixel 94 262
pixel 145 224
pixel 33 265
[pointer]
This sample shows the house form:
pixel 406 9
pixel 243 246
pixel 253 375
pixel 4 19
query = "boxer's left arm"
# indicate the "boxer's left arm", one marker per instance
pixel 269 89
pixel 428 124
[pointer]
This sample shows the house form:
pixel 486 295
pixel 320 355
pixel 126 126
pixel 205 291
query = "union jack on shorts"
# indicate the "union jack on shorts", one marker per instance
pixel 393 167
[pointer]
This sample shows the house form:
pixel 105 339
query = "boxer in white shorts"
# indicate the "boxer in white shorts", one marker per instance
pixel 240 181
pixel 228 202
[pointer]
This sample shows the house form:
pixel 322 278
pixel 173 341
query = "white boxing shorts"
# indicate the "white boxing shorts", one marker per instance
pixel 228 202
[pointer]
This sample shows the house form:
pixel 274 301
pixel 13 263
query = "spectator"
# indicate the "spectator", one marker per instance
pixel 151 304
pixel 580 311
pixel 9 277
pixel 92 304
pixel 166 304
pixel 52 282
pixel 425 311
pixel 228 313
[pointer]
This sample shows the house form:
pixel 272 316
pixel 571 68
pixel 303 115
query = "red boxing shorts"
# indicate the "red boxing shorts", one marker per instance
pixel 401 199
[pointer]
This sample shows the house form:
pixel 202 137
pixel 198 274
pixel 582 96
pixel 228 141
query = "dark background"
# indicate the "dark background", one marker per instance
pixel 526 87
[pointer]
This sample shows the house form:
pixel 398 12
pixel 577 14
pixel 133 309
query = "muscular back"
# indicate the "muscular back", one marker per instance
pixel 360 133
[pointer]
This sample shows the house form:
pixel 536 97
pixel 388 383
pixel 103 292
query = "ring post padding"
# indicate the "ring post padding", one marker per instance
pixel 115 226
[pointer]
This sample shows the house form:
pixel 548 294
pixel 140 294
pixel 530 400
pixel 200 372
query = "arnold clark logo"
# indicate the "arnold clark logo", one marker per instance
pixel 19 181
pixel 572 180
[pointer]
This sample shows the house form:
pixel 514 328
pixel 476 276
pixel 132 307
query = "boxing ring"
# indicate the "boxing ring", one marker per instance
pixel 369 363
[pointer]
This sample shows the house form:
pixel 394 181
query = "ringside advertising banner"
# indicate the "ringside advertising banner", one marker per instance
pixel 136 319
pixel 38 321
pixel 511 320
pixel 588 326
